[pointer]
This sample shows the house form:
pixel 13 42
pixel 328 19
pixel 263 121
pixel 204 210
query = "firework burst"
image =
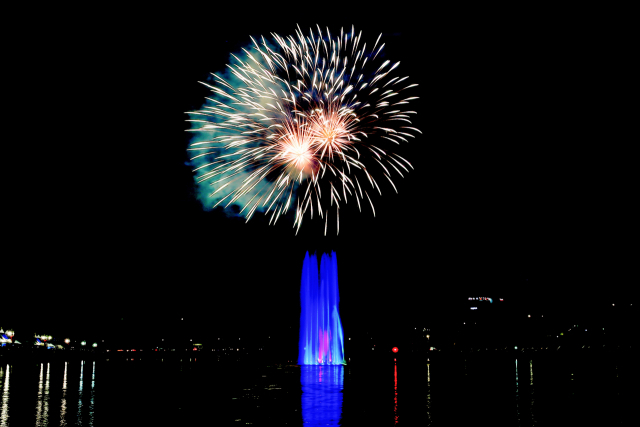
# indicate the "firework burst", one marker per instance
pixel 300 117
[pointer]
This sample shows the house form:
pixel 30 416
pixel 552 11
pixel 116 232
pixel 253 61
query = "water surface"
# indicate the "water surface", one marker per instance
pixel 524 391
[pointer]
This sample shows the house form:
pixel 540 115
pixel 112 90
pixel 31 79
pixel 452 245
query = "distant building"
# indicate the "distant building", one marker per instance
pixel 6 337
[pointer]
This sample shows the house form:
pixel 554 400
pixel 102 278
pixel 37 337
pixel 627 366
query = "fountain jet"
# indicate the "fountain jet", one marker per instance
pixel 321 337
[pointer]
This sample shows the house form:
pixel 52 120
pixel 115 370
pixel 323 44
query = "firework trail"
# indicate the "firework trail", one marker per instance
pixel 300 117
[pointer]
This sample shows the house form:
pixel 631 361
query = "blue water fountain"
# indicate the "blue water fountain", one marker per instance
pixel 321 337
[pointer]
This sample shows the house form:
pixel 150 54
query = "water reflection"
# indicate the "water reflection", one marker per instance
pixel 395 389
pixel 91 396
pixel 63 404
pixel 429 393
pixel 40 393
pixel 524 396
pixel 86 398
pixel 531 390
pixel 80 393
pixel 42 407
pixel 4 415
pixel 517 395
pixel 322 394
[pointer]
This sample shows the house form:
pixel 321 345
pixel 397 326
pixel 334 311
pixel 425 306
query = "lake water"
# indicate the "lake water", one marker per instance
pixel 541 390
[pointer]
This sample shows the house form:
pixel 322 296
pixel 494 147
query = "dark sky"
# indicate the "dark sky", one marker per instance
pixel 518 188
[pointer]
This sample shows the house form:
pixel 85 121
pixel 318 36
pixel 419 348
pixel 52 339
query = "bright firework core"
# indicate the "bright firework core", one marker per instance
pixel 329 132
pixel 303 147
pixel 298 118
pixel 296 149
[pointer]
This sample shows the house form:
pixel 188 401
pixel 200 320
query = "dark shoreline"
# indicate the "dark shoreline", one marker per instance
pixel 13 356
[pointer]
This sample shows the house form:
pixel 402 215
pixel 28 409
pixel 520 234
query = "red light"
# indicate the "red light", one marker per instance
pixel 195 349
pixel 394 349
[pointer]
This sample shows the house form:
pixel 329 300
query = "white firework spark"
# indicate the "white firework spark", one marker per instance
pixel 304 115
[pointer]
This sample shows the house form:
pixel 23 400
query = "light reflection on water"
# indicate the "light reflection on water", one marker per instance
pixel 395 389
pixel 52 396
pixel 524 397
pixel 517 395
pixel 4 415
pixel 322 394
pixel 80 393
pixel 42 406
pixel 531 410
pixel 86 398
pixel 428 391
pixel 61 393
pixel 63 404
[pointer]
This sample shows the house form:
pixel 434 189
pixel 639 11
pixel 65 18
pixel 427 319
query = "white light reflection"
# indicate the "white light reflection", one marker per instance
pixel 517 395
pixel 45 415
pixel 4 415
pixel 63 405
pixel 531 371
pixel 428 394
pixel 80 394
pixel 93 383
pixel 42 409
pixel 531 389
pixel 40 384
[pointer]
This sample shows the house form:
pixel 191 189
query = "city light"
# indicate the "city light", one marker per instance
pixel 461 345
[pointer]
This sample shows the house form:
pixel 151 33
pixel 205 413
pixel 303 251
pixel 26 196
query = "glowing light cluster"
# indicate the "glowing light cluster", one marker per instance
pixel 297 117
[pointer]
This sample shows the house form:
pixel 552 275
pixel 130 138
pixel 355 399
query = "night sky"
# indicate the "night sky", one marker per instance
pixel 519 187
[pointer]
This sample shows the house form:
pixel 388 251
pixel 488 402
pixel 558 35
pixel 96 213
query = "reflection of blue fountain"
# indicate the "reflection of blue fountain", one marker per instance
pixel 322 394
pixel 321 338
